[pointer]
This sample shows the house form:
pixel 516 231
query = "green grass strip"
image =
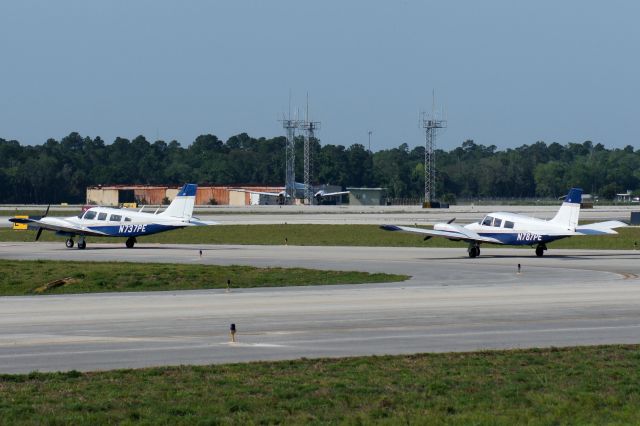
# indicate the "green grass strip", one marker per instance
pixel 23 277
pixel 325 235
pixel 582 385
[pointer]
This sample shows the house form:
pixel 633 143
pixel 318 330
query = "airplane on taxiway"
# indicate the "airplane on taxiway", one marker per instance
pixel 114 222
pixel 318 195
pixel 518 230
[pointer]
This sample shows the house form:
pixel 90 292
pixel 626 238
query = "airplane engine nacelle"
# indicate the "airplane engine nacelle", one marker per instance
pixel 446 227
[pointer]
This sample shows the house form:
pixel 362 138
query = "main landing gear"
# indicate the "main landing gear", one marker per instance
pixel 540 249
pixel 474 249
pixel 82 244
pixel 130 242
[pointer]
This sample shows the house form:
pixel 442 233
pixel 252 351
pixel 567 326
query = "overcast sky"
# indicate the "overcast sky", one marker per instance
pixel 507 72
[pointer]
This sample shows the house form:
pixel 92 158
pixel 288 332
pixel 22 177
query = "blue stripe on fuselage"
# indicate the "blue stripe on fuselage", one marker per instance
pixel 521 238
pixel 132 229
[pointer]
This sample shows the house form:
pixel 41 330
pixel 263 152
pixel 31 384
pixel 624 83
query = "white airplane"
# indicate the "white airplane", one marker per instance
pixel 319 195
pixel 114 222
pixel 518 230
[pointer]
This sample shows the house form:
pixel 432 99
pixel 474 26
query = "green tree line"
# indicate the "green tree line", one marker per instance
pixel 59 171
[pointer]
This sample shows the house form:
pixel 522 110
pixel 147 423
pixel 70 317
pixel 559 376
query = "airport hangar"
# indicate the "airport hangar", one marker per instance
pixel 235 195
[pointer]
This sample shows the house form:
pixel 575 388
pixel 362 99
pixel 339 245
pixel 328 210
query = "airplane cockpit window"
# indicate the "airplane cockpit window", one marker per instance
pixel 487 221
pixel 508 224
pixel 497 222
pixel 89 215
pixel 115 218
pixel 102 216
pixel 127 219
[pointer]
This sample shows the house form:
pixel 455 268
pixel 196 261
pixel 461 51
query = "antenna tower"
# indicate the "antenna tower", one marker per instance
pixel 431 124
pixel 309 128
pixel 290 154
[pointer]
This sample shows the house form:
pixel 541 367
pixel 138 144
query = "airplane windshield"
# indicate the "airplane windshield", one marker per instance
pixel 89 215
pixel 487 221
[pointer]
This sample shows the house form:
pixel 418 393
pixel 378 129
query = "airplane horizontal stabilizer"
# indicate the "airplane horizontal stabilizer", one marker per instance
pixel 600 228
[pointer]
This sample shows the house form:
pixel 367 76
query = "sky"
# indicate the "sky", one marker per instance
pixel 505 73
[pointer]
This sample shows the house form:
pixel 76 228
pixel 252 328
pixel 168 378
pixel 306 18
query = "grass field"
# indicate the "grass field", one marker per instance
pixel 24 277
pixel 584 385
pixel 326 235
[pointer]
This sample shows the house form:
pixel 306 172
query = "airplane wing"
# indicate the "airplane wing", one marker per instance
pixel 457 233
pixel 271 194
pixel 56 224
pixel 329 194
pixel 600 228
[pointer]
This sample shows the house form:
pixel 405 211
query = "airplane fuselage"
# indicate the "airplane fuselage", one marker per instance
pixel 517 230
pixel 111 222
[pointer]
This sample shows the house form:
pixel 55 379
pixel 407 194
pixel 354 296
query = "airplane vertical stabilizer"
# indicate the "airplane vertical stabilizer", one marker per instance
pixel 182 206
pixel 567 216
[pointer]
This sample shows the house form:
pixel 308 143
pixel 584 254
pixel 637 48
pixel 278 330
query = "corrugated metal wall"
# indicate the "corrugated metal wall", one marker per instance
pixel 150 195
pixel 218 193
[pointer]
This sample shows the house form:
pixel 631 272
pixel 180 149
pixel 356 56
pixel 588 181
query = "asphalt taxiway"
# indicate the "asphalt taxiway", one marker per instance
pixel 451 303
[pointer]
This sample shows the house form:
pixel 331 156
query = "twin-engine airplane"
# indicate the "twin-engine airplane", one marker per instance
pixel 299 187
pixel 112 222
pixel 518 230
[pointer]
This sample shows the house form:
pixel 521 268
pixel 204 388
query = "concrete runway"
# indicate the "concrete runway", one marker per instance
pixel 452 303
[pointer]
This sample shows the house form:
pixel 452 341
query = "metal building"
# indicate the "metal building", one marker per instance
pixel 367 196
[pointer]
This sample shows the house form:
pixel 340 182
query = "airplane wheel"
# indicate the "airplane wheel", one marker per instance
pixel 69 243
pixel 82 245
pixel 130 242
pixel 474 252
pixel 539 251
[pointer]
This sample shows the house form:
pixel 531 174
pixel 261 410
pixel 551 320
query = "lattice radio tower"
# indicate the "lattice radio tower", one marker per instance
pixel 290 159
pixel 431 124
pixel 309 128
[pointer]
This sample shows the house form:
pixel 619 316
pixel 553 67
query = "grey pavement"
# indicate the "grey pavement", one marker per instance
pixel 452 303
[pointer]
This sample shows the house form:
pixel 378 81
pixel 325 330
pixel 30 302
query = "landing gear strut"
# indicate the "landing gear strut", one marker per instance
pixel 474 249
pixel 131 241
pixel 69 243
pixel 540 250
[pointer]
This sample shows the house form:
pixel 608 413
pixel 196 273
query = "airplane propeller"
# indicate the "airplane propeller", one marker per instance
pixel 451 221
pixel 40 229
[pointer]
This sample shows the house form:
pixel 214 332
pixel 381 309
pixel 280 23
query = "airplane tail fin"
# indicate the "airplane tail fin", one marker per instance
pixel 569 212
pixel 182 206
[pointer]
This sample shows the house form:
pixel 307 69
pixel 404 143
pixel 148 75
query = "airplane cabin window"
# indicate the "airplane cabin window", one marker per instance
pixel 127 219
pixel 487 221
pixel 102 216
pixel 508 224
pixel 115 218
pixel 497 222
pixel 90 215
